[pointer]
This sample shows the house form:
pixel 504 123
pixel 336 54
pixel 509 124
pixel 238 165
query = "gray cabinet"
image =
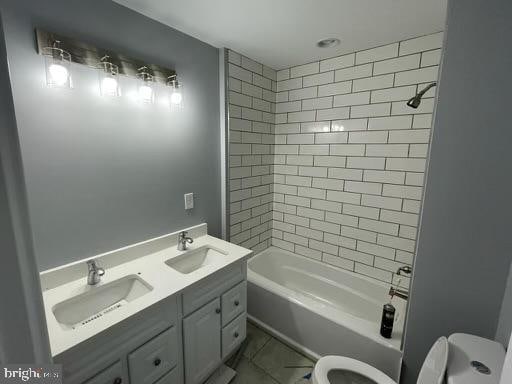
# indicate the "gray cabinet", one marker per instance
pixel 212 287
pixel 155 358
pixel 170 378
pixel 233 334
pixel 201 340
pixel 129 348
pixel 215 330
pixel 112 375
pixel 234 302
pixel 187 335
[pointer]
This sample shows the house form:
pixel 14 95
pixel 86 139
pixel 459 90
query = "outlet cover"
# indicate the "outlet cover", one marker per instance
pixel 189 200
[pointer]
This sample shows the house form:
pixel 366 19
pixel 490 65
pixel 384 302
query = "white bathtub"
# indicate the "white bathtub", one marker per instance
pixel 323 310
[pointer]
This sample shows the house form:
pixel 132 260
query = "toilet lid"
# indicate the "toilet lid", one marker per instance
pixel 434 366
pixel 344 370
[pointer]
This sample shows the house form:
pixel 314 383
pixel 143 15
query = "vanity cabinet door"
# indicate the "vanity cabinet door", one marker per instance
pixel 202 342
pixel 112 375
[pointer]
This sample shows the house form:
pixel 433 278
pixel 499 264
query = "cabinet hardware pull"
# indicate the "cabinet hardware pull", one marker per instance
pixel 217 310
pixel 118 380
pixel 235 334
pixel 237 303
pixel 157 362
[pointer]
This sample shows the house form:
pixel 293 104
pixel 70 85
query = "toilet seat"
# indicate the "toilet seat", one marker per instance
pixel 330 363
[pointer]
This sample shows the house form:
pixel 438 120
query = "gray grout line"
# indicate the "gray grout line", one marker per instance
pixel 360 78
pixel 261 348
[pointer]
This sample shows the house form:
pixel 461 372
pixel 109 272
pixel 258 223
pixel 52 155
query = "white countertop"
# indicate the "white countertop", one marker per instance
pixel 149 266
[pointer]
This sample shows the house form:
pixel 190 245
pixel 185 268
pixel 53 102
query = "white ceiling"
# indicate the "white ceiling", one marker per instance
pixel 283 33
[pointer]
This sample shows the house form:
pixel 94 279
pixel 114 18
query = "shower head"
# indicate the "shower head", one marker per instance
pixel 414 102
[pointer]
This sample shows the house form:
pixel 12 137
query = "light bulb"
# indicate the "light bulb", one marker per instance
pixel 59 74
pixel 176 97
pixel 146 93
pixel 109 86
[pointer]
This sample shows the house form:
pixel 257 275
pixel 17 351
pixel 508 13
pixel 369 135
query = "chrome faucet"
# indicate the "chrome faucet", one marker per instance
pixel 95 272
pixel 183 240
pixel 401 293
pixel 405 269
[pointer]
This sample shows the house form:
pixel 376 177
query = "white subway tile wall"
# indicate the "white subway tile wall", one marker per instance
pixel 252 105
pixel 344 179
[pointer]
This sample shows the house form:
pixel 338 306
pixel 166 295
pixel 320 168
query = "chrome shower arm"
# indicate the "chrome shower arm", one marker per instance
pixel 414 102
pixel 424 90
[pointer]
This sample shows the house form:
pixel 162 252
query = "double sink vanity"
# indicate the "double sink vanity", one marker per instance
pixel 148 313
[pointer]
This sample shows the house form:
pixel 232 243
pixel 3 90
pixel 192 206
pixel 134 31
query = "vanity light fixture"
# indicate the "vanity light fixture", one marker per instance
pixel 57 62
pixel 176 98
pixel 146 91
pixel 109 72
pixel 60 51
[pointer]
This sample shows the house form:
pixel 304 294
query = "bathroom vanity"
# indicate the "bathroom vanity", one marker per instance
pixel 158 315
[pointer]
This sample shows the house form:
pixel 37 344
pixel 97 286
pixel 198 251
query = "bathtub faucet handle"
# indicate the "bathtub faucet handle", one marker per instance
pixel 405 269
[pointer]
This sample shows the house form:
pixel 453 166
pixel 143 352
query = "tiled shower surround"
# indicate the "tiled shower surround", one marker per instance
pixel 251 100
pixel 348 155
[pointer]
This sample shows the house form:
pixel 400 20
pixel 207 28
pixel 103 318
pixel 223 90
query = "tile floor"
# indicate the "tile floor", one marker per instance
pixel 266 360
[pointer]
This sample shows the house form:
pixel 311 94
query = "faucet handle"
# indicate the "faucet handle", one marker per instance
pixel 95 272
pixel 405 269
pixel 183 239
pixel 93 265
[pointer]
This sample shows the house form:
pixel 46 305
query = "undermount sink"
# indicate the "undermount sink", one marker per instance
pixel 99 300
pixel 194 259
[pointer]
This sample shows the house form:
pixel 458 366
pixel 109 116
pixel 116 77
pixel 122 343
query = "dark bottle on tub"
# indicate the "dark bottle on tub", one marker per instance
pixel 386 324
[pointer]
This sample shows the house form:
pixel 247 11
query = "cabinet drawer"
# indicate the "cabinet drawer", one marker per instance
pixel 233 334
pixel 112 375
pixel 211 287
pixel 170 378
pixel 234 302
pixel 150 361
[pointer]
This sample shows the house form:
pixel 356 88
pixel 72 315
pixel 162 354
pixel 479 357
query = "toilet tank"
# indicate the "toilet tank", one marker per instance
pixel 474 360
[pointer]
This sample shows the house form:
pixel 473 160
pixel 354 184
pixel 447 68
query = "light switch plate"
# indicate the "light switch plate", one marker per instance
pixel 189 200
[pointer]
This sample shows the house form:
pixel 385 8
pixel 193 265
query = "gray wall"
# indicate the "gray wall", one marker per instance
pixel 103 173
pixel 464 246
pixel 23 334
pixel 505 321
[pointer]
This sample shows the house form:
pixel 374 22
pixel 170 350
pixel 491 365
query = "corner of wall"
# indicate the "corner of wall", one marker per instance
pixel 504 329
pixel 251 101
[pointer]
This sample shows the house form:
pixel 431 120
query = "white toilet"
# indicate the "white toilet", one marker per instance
pixel 460 359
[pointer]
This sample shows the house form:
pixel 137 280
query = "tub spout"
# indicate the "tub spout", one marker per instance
pixel 401 293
